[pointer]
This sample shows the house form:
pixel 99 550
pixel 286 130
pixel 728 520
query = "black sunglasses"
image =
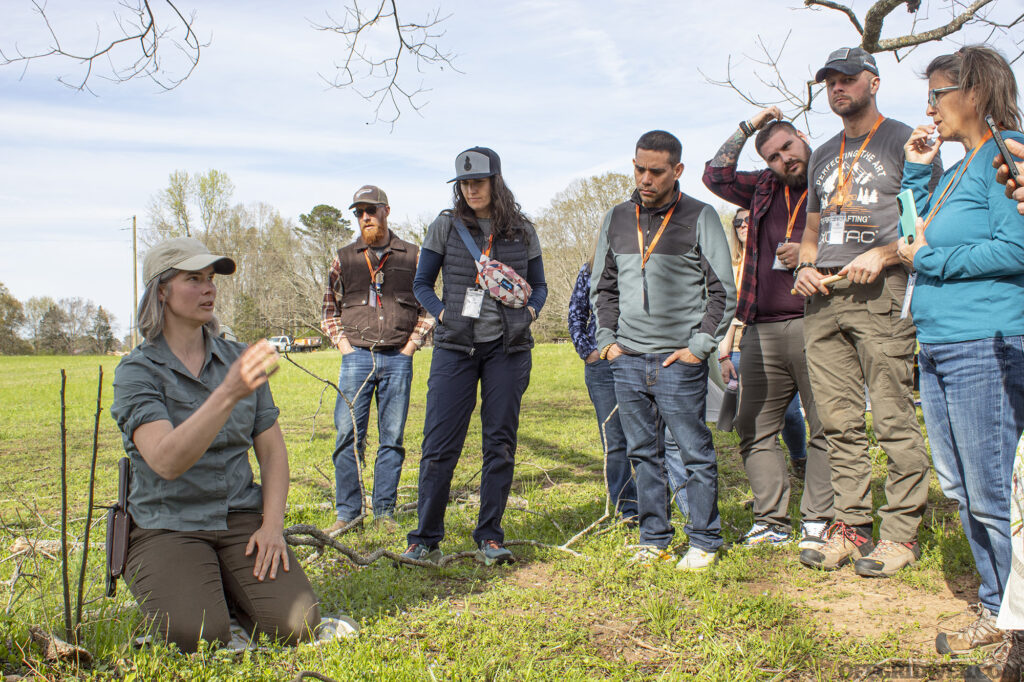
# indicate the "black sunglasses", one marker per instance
pixel 740 222
pixel 369 210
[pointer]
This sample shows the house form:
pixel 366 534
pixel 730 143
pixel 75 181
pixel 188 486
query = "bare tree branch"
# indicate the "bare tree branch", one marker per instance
pixel 143 36
pixel 415 41
pixel 840 8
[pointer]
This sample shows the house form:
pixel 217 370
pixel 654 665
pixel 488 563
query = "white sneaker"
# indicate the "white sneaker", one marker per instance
pixel 649 555
pixel 812 534
pixel 696 559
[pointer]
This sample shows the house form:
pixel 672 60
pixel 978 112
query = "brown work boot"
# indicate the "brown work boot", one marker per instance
pixel 980 633
pixel 842 543
pixel 886 558
pixel 342 526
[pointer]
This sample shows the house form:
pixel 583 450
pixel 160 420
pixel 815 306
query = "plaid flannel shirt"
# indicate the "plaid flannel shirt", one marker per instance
pixel 746 189
pixel 330 312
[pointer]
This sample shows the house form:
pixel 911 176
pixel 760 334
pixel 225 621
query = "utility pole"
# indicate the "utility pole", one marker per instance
pixel 135 286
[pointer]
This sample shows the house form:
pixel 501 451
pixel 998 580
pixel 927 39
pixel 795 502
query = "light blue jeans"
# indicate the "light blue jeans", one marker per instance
pixel 363 373
pixel 972 395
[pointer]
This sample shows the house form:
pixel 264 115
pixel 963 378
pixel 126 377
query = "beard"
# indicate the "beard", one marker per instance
pixel 374 234
pixel 794 180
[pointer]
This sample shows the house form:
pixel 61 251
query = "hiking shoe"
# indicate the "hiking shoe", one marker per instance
pixel 842 542
pixel 812 535
pixel 886 558
pixel 420 552
pixel 696 559
pixel 649 555
pixel 385 521
pixel 765 534
pixel 492 552
pixel 342 526
pixel 980 633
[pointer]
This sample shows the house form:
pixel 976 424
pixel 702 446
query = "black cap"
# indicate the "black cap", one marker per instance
pixel 476 162
pixel 848 60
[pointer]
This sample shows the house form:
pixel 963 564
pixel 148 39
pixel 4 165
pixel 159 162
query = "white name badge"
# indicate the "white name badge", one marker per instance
pixel 473 302
pixel 373 297
pixel 911 281
pixel 835 229
pixel 777 264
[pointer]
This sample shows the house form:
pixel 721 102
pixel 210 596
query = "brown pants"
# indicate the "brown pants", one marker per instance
pixel 772 368
pixel 855 337
pixel 184 581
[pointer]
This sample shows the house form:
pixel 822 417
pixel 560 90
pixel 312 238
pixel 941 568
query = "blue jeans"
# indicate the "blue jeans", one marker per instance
pixel 619 476
pixel 364 372
pixel 972 395
pixel 644 390
pixel 676 470
pixel 794 431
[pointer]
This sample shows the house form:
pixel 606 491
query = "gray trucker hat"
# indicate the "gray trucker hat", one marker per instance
pixel 848 60
pixel 477 162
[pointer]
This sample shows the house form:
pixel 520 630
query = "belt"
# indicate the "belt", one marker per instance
pixel 830 271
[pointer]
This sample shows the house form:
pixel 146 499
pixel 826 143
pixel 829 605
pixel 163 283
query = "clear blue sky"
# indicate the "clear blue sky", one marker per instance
pixel 560 89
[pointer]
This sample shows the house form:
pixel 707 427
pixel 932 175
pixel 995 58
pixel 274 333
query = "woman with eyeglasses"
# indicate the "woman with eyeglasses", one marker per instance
pixel 478 341
pixel 794 431
pixel 968 305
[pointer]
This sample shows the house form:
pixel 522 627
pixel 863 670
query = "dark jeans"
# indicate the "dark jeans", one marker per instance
pixel 363 373
pixel 644 390
pixel 184 580
pixel 451 398
pixel 619 474
pixel 972 395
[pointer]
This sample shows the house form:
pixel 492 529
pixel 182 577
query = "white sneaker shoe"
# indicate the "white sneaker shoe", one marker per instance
pixel 696 559
pixel 649 555
pixel 812 534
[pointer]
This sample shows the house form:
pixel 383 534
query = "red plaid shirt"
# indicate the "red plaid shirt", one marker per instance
pixel 753 190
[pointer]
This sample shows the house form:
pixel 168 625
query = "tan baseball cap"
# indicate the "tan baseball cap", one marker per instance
pixel 183 253
pixel 369 194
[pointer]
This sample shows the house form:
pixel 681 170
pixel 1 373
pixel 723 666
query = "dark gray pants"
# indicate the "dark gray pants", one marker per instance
pixel 772 370
pixel 184 580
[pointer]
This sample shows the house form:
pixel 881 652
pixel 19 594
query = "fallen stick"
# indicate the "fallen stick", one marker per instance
pixel 828 281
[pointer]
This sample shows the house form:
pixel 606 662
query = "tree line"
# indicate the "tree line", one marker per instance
pixel 282 265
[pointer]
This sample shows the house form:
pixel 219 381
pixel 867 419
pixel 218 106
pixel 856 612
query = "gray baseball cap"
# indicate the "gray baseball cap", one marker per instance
pixel 369 194
pixel 183 253
pixel 848 60
pixel 476 162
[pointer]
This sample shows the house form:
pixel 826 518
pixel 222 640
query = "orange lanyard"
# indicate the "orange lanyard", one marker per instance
pixel 376 274
pixel 841 180
pixel 486 252
pixel 793 213
pixel 644 255
pixel 954 181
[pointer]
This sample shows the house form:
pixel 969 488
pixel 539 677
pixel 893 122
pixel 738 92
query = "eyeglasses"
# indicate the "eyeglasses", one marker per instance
pixel 369 210
pixel 933 95
pixel 740 222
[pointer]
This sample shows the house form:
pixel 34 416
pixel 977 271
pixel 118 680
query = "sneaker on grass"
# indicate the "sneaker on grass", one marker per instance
pixel 420 552
pixel 649 555
pixel 492 552
pixel 696 559
pixel 812 535
pixel 843 543
pixel 765 534
pixel 886 558
pixel 980 633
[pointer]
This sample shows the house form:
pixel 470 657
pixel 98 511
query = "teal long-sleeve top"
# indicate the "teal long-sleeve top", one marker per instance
pixel 970 274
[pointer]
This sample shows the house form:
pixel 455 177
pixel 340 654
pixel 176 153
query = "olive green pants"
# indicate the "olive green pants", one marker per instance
pixel 184 582
pixel 855 338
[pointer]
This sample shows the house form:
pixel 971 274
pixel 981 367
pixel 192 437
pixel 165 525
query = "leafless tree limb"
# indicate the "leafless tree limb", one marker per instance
pixel 141 42
pixel 416 41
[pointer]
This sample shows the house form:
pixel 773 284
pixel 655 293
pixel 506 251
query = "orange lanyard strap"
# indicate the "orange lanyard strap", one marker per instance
pixel 645 255
pixel 792 213
pixel 954 181
pixel 841 180
pixel 375 274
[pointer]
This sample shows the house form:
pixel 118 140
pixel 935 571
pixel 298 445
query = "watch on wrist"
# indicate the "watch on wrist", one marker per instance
pixel 797 269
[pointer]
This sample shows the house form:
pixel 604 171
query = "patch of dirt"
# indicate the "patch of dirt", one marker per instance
pixel 865 607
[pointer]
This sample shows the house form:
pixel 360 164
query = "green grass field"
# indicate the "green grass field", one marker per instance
pixel 756 615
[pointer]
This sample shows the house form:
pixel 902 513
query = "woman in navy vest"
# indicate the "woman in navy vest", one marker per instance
pixel 477 340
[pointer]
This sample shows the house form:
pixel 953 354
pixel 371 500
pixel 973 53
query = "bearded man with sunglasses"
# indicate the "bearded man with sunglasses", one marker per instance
pixel 371 316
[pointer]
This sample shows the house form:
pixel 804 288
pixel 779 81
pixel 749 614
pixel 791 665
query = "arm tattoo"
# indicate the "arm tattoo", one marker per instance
pixel 729 152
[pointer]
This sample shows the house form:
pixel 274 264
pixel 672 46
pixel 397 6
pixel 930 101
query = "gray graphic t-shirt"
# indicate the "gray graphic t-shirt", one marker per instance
pixel 865 215
pixel 488 325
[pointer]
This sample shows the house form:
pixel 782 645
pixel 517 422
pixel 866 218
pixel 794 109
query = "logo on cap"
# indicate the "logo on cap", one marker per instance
pixel 468 165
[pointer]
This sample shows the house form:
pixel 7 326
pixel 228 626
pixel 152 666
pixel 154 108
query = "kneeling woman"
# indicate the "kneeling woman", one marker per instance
pixel 477 340
pixel 190 405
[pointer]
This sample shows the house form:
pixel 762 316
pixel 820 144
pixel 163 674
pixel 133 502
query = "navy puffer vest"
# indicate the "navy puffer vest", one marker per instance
pixel 458 273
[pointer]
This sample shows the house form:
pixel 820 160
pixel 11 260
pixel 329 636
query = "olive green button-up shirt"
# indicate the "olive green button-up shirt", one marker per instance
pixel 151 384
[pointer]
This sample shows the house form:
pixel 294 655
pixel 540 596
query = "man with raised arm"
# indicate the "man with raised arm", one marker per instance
pixel 856 333
pixel 772 363
pixel 664 296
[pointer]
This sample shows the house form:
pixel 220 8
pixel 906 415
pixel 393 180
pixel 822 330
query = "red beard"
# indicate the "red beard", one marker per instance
pixel 373 234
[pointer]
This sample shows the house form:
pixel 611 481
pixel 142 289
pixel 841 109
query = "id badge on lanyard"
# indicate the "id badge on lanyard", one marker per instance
pixel 835 229
pixel 473 302
pixel 905 310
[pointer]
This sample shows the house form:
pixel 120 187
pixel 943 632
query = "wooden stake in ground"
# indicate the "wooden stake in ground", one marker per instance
pixel 64 506
pixel 88 509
